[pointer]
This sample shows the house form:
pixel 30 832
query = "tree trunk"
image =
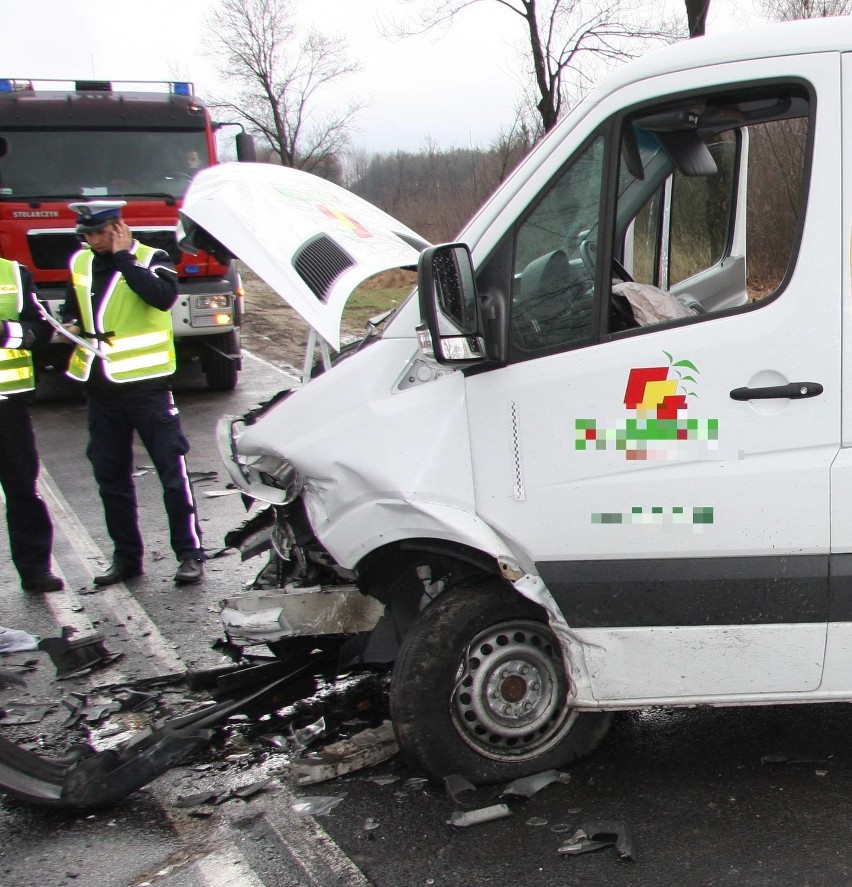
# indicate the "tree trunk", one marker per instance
pixel 696 16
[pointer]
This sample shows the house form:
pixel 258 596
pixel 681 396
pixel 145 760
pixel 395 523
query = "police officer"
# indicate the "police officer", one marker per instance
pixel 30 529
pixel 119 300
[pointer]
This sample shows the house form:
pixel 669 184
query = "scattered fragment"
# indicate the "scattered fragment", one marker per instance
pixel 13 640
pixel 371 824
pixel 536 821
pixel 364 749
pixel 198 476
pixel 73 657
pixel 141 473
pixel 464 818
pixel 389 779
pixel 10 679
pixel 305 736
pixel 253 788
pixel 276 741
pixel 528 785
pixel 317 806
pixel 216 494
pixel 195 800
pixel 415 783
pixel 560 827
pixel 456 785
pixel 23 713
pixel 595 836
pixel 821 772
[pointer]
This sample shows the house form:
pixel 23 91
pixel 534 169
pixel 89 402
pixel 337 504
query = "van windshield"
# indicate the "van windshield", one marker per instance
pixel 47 164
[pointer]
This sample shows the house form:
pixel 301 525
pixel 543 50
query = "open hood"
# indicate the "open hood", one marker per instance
pixel 310 240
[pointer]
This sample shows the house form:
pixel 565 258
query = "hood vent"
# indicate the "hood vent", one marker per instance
pixel 319 262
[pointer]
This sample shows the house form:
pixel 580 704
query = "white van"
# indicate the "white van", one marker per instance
pixel 601 460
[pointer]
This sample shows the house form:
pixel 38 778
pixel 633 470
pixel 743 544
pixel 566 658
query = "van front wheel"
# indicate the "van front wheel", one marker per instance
pixel 479 689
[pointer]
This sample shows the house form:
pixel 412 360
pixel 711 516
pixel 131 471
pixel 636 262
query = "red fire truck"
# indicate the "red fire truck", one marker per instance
pixel 139 141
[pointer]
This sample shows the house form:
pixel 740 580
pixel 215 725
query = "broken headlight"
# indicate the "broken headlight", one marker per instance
pixel 281 474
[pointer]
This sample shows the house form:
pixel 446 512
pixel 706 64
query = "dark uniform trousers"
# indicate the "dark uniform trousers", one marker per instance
pixel 30 528
pixel 153 414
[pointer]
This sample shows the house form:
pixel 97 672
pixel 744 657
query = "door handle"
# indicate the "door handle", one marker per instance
pixel 793 390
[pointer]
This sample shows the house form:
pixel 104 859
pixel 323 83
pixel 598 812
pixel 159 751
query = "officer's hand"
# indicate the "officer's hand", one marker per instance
pixel 72 328
pixel 121 236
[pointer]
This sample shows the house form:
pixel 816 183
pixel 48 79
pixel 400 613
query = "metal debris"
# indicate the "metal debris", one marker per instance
pixel 364 749
pixel 464 818
pixel 527 786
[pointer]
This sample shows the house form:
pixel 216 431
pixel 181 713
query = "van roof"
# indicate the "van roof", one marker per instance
pixel 832 34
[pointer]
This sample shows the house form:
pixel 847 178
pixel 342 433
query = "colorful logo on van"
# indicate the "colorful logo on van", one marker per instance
pixel 658 398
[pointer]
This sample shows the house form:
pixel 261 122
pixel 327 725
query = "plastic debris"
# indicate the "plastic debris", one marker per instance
pixel 527 786
pixel 598 835
pixel 371 824
pixel 245 792
pixel 785 758
pixel 536 821
pixel 364 749
pixel 457 785
pixel 73 657
pixel 414 784
pixel 389 779
pixel 464 818
pixel 13 640
pixel 23 713
pixel 317 806
pixel 305 736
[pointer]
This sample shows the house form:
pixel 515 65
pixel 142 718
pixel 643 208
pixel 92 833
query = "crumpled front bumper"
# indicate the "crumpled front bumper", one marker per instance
pixel 263 616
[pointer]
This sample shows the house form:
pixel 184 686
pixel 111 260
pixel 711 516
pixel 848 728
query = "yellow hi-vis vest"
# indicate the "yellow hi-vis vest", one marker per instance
pixel 142 342
pixel 16 364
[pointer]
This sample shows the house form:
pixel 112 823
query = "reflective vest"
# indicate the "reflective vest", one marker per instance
pixel 16 364
pixel 140 344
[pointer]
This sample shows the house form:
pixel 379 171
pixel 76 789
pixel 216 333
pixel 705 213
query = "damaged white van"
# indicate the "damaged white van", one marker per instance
pixel 602 458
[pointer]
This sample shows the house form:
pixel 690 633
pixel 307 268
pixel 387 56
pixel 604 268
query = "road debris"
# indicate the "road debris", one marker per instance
pixel 73 656
pixel 456 785
pixel 527 786
pixel 465 818
pixel 598 835
pixel 316 806
pixel 364 749
pixel 13 640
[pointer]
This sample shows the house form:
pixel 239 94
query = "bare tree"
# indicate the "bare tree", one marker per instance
pixel 278 75
pixel 559 35
pixel 788 10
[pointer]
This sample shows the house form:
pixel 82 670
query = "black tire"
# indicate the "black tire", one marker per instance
pixel 221 372
pixel 467 642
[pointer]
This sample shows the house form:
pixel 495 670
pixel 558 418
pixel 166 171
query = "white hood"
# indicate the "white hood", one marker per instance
pixel 310 240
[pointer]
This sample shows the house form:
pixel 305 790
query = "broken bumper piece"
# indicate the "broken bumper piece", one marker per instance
pixel 262 617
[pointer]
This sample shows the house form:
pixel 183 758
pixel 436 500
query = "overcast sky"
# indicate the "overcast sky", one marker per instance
pixel 457 90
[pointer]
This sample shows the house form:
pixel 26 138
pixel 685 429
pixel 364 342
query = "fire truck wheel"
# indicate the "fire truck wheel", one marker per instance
pixel 479 689
pixel 220 371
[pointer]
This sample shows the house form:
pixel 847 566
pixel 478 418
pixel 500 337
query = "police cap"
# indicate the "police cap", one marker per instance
pixel 96 214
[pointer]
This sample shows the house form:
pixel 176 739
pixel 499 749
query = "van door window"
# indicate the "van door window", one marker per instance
pixel 553 285
pixel 683 224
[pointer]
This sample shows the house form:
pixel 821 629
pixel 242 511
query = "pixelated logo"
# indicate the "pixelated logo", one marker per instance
pixel 659 427
pixel 346 221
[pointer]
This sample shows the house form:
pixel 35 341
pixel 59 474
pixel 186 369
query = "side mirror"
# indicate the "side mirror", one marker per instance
pixel 449 305
pixel 246 151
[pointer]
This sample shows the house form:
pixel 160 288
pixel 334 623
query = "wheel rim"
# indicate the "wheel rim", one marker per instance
pixel 509 697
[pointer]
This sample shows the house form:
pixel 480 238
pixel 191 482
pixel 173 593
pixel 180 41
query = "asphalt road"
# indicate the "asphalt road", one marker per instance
pixel 753 796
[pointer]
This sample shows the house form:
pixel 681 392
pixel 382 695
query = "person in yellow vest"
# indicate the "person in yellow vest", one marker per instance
pixel 27 518
pixel 119 300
